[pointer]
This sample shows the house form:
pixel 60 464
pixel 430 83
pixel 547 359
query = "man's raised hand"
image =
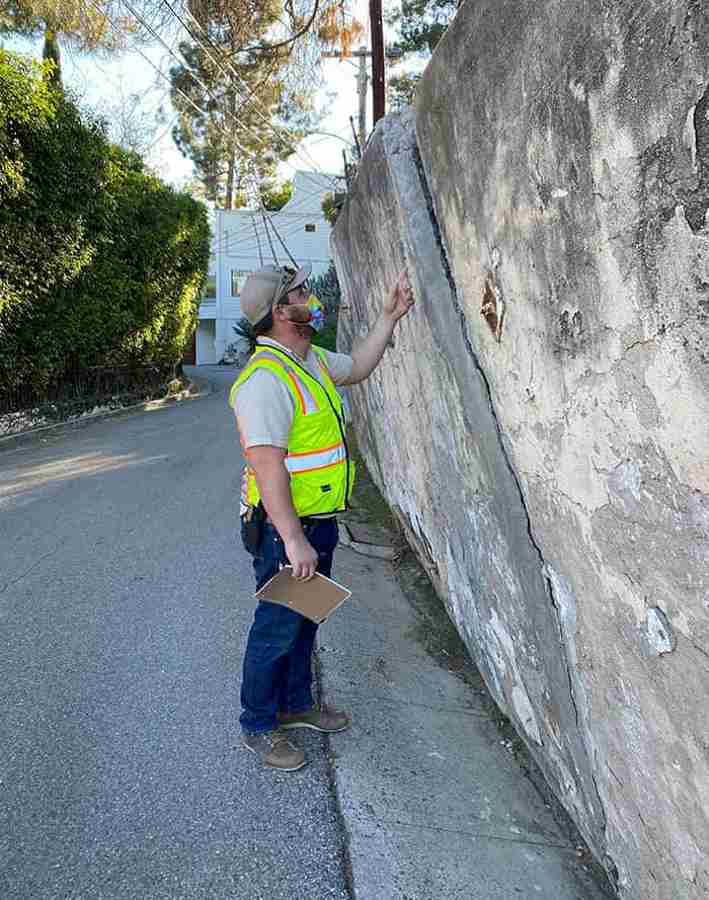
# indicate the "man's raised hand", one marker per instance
pixel 401 298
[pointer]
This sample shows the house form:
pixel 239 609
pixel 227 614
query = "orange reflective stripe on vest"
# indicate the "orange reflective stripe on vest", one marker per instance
pixel 306 400
pixel 297 463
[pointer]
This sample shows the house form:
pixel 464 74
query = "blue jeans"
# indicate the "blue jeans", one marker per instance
pixel 277 671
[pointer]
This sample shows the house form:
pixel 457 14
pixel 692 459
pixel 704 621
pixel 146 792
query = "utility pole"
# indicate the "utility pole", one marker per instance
pixel 378 85
pixel 362 81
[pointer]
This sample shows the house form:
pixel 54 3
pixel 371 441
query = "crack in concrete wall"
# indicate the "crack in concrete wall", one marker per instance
pixel 583 168
pixel 610 866
pixel 553 473
pixel 514 643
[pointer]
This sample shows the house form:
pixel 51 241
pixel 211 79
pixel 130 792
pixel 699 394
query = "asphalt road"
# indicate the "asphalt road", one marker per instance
pixel 125 599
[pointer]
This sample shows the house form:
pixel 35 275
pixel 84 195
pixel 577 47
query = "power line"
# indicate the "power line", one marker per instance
pixel 162 134
pixel 266 219
pixel 183 64
pixel 303 216
pixel 270 242
pixel 288 218
pixel 258 241
pixel 149 61
pixel 194 37
pixel 242 241
pixel 240 233
pixel 250 93
pixel 250 256
pixel 241 228
pixel 280 239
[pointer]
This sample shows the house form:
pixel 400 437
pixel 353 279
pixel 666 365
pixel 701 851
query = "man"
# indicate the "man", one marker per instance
pixel 297 478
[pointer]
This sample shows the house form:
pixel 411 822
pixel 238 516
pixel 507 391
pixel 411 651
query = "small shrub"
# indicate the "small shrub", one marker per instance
pixel 327 288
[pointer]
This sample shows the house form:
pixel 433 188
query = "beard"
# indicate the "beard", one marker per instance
pixel 305 331
pixel 297 314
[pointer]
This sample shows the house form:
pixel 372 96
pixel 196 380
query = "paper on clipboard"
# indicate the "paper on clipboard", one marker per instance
pixel 315 599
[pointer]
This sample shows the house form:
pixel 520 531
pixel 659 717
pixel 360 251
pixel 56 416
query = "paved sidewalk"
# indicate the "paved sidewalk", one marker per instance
pixel 436 805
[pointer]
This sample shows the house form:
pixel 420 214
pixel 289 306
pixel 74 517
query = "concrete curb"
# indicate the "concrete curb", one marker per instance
pixel 197 388
pixel 377 551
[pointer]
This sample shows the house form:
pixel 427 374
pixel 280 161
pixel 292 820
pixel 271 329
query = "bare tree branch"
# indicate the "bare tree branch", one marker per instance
pixel 292 38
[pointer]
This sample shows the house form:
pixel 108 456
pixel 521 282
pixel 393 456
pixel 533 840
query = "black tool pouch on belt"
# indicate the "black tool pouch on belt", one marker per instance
pixel 252 531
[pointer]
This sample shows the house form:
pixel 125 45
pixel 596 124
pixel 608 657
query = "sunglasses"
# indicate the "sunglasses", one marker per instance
pixel 302 289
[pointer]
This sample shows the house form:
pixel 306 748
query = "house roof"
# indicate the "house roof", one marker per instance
pixel 243 236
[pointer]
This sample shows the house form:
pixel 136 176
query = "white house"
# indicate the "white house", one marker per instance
pixel 244 240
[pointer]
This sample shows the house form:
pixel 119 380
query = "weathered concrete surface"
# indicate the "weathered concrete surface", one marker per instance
pixel 552 467
pixel 435 805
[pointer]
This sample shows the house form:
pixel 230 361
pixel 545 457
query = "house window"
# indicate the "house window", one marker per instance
pixel 310 228
pixel 210 288
pixel 238 279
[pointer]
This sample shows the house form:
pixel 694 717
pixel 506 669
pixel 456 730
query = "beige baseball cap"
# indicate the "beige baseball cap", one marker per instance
pixel 267 286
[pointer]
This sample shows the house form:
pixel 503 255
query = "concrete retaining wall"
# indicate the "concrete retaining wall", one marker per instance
pixel 542 424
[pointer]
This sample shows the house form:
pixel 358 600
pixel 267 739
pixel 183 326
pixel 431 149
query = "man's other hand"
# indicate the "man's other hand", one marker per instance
pixel 401 298
pixel 302 557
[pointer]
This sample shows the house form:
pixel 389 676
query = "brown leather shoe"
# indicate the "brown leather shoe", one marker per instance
pixel 275 750
pixel 325 719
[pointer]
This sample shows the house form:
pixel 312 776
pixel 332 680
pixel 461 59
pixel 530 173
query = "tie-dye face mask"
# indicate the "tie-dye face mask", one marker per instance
pixel 317 313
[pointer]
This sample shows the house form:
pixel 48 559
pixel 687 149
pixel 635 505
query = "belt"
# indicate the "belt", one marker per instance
pixel 315 520
pixel 307 520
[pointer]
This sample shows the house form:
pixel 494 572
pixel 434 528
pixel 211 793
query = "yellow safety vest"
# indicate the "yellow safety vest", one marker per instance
pixel 321 471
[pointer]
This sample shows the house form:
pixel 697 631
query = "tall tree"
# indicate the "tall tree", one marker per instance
pixel 238 116
pixel 84 24
pixel 420 24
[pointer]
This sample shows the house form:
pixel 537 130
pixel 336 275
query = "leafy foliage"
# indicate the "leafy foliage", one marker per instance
pixel 422 23
pixel 87 25
pixel 245 334
pixel 275 196
pixel 102 262
pixel 331 206
pixel 402 89
pixel 336 28
pixel 327 288
pixel 246 92
pixel 25 97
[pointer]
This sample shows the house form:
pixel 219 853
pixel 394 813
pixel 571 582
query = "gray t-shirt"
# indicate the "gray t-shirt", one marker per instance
pixel 264 406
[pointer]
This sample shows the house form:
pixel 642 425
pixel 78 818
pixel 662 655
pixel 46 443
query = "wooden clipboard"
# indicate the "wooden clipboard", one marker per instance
pixel 315 599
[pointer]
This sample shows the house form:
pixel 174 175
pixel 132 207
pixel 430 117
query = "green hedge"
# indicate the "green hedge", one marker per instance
pixel 100 262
